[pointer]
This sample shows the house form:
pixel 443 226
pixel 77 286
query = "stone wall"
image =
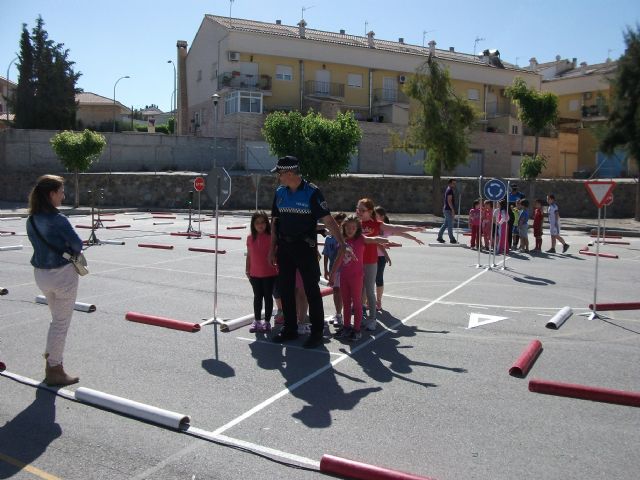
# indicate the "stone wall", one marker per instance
pixel 397 194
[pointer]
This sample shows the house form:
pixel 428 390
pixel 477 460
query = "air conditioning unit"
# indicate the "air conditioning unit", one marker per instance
pixel 402 78
pixel 234 56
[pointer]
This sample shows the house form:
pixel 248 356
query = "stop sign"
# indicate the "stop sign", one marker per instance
pixel 198 184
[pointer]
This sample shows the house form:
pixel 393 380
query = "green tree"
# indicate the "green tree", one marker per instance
pixel 77 151
pixel 439 126
pixel 323 146
pixel 45 97
pixel 623 124
pixel 537 110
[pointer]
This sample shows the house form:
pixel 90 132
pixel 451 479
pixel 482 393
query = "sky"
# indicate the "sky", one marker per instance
pixel 111 39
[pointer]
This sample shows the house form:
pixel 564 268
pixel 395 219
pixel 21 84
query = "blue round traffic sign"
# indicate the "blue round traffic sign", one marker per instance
pixel 495 189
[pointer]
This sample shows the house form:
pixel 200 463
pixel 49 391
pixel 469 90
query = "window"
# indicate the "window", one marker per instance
pixel 574 105
pixel 473 94
pixel 243 101
pixel 514 129
pixel 284 72
pixel 354 80
pixel 199 76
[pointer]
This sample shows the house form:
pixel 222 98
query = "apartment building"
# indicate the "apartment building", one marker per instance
pixel 584 97
pixel 259 67
pixel 7 90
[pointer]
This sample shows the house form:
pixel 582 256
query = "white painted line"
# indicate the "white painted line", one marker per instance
pixel 543 315
pixel 321 370
pixel 513 311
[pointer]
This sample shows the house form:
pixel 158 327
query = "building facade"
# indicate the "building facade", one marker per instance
pixel 259 67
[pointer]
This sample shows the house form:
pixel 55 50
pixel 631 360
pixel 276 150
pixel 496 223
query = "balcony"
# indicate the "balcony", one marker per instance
pixel 241 81
pixel 595 111
pixel 324 90
pixel 389 95
pixel 501 108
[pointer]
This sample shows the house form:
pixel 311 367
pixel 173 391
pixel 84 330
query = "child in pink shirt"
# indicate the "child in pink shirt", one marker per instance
pixel 261 274
pixel 474 223
pixel 350 262
pixel 487 216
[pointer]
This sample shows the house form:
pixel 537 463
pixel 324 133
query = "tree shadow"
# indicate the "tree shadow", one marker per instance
pixel 28 434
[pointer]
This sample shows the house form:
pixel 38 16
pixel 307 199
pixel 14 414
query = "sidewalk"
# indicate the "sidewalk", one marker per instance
pixel 626 226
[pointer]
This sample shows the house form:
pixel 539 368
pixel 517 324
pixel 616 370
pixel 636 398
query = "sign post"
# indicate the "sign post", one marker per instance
pixel 600 193
pixel 198 186
pixel 495 190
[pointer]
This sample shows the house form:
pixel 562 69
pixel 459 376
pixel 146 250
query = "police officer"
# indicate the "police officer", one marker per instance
pixel 297 207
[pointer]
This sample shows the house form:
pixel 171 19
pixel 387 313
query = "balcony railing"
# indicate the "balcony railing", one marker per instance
pixel 237 80
pixel 324 89
pixel 391 95
pixel 589 111
pixel 501 109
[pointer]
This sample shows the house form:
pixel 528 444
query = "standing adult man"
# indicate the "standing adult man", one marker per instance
pixel 297 207
pixel 449 211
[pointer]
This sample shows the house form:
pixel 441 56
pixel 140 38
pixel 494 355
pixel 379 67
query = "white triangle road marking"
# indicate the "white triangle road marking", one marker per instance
pixel 477 319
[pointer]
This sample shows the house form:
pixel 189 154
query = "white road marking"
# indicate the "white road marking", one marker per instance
pixel 477 319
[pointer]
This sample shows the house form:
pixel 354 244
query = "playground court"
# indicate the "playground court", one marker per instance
pixel 427 393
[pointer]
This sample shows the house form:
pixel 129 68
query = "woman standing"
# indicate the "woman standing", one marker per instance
pixel 54 274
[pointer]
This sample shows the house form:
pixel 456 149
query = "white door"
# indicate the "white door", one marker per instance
pixel 515 166
pixel 389 89
pixel 323 81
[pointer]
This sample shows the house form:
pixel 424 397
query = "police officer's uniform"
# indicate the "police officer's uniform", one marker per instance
pixel 297 213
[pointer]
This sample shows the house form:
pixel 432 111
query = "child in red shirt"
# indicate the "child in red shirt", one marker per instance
pixel 474 223
pixel 487 217
pixel 537 225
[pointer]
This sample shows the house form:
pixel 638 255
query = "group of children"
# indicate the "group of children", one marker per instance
pixel 356 272
pixel 493 227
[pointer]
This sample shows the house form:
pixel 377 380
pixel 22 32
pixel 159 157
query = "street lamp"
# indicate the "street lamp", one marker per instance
pixel 174 98
pixel 7 95
pixel 215 98
pixel 114 101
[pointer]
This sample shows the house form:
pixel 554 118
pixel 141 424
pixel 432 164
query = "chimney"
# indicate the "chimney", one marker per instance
pixel 182 102
pixel 301 27
pixel 451 49
pixel 401 40
pixel 574 62
pixel 432 47
pixel 370 41
pixel 533 63
pixel 278 22
pixel 342 31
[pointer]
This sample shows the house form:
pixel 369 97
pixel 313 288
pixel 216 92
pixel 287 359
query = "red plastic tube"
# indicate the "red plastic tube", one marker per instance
pixel 156 245
pixel 236 227
pixel 584 392
pixel 525 361
pixel 614 242
pixel 594 254
pixel 606 236
pixel 326 291
pixel 7 232
pixel 362 471
pixel 3 367
pixel 162 322
pixel 206 250
pixel 164 216
pixel 227 237
pixel 616 306
pixel 107 219
pixel 84 226
pixel 118 226
pixel 185 234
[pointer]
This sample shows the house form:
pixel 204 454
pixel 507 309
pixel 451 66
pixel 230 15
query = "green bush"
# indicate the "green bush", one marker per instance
pixel 531 167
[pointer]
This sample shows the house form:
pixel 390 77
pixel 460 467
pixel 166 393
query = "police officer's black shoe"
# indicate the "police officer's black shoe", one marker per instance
pixel 313 341
pixel 284 336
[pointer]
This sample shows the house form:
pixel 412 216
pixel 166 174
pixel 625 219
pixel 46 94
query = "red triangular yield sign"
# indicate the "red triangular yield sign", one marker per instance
pixel 599 191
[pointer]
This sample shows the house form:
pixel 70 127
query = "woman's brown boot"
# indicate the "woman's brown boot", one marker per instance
pixel 57 377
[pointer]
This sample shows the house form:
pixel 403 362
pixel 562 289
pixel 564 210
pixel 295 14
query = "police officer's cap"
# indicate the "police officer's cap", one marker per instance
pixel 514 185
pixel 286 164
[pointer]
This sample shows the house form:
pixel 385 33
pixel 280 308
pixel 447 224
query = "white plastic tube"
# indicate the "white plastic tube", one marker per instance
pixel 559 318
pixel 235 323
pixel 135 409
pixel 10 247
pixel 81 307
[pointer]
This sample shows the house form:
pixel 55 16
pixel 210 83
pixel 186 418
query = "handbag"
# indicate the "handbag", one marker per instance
pixel 78 260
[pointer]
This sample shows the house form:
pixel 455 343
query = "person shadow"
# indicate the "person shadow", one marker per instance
pixel 388 349
pixel 322 393
pixel 28 435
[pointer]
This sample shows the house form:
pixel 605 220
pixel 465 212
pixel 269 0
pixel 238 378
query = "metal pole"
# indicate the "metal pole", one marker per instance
pixel 506 236
pixel 594 311
pixel 480 227
pixel 7 96
pixel 174 97
pixel 114 103
pixel 604 226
